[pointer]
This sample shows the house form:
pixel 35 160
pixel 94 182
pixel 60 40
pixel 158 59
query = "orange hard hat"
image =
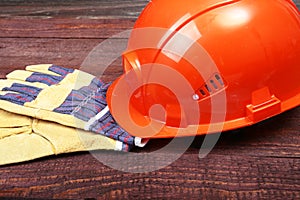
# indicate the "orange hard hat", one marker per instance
pixel 198 67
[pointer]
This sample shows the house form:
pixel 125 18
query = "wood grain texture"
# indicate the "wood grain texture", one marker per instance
pixel 63 28
pixel 78 9
pixel 257 162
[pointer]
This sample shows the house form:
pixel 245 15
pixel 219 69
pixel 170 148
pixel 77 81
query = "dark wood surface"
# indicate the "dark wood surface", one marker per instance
pixel 258 162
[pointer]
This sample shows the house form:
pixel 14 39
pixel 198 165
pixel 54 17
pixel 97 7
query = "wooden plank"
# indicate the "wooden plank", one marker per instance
pixel 63 28
pixel 217 176
pixel 278 137
pixel 16 53
pixel 72 9
pixel 70 19
pixel 70 3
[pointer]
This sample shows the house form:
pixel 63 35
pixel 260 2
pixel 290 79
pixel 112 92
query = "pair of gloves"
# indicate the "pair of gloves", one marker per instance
pixel 47 109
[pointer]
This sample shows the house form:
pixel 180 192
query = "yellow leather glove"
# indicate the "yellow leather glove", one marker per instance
pixel 23 138
pixel 65 96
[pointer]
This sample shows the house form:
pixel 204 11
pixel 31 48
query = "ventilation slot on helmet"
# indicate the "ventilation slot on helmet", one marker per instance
pixel 219 79
pixel 208 88
pixel 202 92
pixel 213 85
pixel 212 82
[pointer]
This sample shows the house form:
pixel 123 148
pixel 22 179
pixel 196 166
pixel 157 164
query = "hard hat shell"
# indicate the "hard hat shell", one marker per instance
pixel 237 60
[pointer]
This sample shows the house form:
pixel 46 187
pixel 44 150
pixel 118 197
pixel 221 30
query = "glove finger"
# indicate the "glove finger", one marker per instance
pixel 15 98
pixel 23 147
pixel 5 83
pixel 9 82
pixel 6 132
pixel 12 124
pixel 34 77
pixel 71 78
pixel 49 69
pixel 19 93
pixel 10 120
pixel 23 89
pixel 52 74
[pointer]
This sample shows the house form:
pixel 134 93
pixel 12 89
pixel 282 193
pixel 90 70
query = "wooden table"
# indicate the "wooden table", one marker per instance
pixel 262 161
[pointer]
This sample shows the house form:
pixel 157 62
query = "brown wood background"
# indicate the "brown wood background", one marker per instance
pixel 258 162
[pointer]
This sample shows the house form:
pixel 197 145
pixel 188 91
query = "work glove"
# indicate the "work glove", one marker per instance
pixel 23 138
pixel 65 96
